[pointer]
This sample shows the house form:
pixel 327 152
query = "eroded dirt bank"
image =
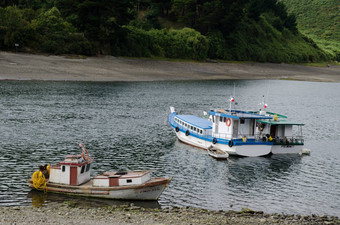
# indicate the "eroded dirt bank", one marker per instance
pixel 20 66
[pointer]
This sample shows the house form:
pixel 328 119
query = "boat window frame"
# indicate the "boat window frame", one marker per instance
pixel 82 169
pixel 63 169
pixel 88 167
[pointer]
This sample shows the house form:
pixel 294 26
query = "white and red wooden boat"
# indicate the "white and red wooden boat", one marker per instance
pixel 72 176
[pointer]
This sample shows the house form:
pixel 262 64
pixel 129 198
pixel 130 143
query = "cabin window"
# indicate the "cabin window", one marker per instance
pixel 82 169
pixel 191 128
pixel 213 118
pixel 242 121
pixel 88 167
pixel 63 168
pixel 221 119
pixel 201 131
pixel 224 119
pixel 129 181
pixel 194 128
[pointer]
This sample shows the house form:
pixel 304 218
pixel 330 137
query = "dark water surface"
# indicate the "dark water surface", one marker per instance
pixel 124 127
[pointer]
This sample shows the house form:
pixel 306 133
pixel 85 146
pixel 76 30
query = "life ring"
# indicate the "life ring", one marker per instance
pixel 85 156
pixel 187 133
pixel 230 143
pixel 177 129
pixel 228 122
pixel 214 141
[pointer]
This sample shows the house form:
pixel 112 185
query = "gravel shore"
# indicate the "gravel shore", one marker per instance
pixel 68 213
pixel 19 66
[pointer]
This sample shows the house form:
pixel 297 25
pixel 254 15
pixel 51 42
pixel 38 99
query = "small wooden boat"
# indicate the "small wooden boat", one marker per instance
pixel 72 176
pixel 217 153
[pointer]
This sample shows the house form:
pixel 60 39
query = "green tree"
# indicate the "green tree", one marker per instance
pixel 14 29
pixel 55 35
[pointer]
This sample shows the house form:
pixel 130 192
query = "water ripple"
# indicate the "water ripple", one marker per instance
pixel 124 127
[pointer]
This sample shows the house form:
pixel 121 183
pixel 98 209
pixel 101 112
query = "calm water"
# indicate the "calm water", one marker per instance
pixel 124 127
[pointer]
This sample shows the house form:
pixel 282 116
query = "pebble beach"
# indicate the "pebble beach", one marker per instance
pixel 68 213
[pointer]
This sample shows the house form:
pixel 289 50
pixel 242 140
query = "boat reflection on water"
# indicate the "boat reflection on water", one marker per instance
pixel 40 199
pixel 250 170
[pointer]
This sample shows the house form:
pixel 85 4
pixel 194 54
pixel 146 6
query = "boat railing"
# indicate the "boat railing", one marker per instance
pixel 286 140
pixel 239 136
pixel 222 136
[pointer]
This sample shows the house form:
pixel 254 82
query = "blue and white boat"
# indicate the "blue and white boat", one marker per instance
pixel 232 131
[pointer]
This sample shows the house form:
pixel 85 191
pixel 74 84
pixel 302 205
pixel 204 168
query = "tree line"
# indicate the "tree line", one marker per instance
pixel 257 30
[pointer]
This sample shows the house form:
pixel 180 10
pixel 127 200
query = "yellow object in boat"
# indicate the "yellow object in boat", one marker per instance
pixel 39 181
pixel 48 169
pixel 275 117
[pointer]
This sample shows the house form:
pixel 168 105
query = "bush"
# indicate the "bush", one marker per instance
pixel 183 44
pixel 55 35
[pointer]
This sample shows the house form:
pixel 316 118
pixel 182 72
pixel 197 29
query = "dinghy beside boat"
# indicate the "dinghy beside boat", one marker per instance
pixel 217 153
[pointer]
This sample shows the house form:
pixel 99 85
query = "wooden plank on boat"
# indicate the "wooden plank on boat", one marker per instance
pixel 222 111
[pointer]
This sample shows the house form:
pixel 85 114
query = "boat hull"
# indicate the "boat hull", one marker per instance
pixel 150 190
pixel 248 150
pixel 287 149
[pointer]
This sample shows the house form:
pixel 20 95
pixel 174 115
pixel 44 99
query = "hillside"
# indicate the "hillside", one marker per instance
pixel 247 30
pixel 319 20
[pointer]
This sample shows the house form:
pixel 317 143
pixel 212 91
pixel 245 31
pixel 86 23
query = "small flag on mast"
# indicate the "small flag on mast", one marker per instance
pixel 265 106
pixel 232 99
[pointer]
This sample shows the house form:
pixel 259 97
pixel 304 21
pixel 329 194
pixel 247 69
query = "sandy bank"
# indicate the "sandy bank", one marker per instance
pixel 38 67
pixel 67 213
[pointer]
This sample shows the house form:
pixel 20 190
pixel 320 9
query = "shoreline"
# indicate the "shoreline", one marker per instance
pixel 22 66
pixel 69 213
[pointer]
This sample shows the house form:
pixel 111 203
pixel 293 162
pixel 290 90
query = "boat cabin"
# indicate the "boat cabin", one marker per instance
pixel 229 124
pixel 283 132
pixel 74 170
pixel 193 124
pixel 111 179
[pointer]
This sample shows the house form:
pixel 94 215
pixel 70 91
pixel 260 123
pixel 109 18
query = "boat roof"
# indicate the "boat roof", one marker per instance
pixel 196 121
pixel 237 114
pixel 270 113
pixel 279 122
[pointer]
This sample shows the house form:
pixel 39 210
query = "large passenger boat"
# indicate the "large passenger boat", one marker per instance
pixel 232 131
pixel 241 133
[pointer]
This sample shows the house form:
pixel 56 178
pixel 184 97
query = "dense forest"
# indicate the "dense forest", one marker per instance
pixel 257 30
pixel 319 20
